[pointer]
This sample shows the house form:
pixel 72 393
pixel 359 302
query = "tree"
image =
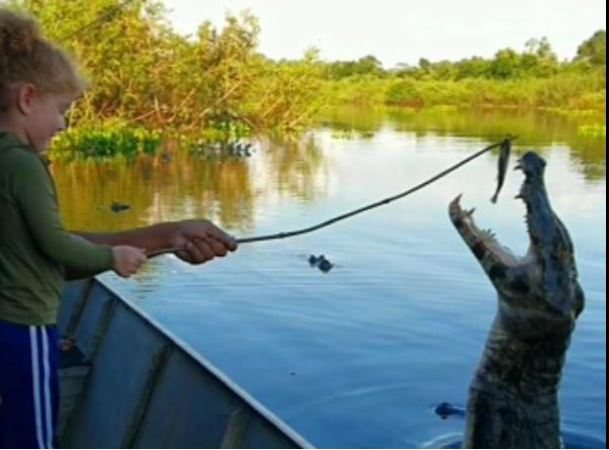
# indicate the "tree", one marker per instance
pixel 594 49
pixel 540 48
pixel 505 65
pixel 474 67
pixel 369 65
pixel 538 59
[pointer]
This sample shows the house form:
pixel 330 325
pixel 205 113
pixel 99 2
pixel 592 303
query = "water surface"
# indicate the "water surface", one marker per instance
pixel 358 357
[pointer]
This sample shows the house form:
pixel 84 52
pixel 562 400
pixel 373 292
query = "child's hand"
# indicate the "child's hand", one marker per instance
pixel 128 260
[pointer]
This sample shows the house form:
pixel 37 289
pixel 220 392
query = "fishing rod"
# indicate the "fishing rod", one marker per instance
pixel 505 146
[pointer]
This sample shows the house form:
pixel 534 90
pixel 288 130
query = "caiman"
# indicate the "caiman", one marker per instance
pixel 513 398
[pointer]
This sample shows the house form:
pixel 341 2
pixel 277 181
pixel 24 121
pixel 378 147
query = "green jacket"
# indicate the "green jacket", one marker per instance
pixel 35 248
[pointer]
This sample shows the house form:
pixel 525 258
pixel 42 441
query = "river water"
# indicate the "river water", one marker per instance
pixel 361 355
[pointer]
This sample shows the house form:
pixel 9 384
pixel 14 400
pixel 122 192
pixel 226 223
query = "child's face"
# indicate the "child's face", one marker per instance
pixel 45 118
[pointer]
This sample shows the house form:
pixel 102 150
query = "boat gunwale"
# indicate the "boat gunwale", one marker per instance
pixel 191 353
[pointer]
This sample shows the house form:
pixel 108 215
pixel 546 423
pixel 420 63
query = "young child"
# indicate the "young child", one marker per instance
pixel 38 83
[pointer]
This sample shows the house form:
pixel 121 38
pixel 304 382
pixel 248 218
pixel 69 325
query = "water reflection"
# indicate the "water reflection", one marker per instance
pixel 155 192
pixel 535 129
pixel 296 167
pixel 177 185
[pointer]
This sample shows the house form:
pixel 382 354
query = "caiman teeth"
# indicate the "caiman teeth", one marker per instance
pixel 455 207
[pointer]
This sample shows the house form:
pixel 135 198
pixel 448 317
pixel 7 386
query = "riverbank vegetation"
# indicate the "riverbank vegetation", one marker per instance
pixel 215 88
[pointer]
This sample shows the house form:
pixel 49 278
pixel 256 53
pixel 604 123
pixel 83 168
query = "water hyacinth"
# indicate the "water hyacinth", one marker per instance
pixel 105 142
pixel 592 131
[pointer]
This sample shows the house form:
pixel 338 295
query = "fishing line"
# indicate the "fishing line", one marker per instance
pixel 506 143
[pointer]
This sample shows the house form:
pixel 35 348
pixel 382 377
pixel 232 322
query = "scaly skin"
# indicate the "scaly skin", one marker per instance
pixel 513 397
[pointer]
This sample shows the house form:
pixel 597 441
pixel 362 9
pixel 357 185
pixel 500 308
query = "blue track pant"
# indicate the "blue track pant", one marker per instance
pixel 29 396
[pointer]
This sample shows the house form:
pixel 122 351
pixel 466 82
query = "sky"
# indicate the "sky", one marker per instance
pixel 402 31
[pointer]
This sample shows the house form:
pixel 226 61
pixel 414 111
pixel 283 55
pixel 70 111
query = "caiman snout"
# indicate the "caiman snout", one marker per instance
pixel 531 164
pixel 533 167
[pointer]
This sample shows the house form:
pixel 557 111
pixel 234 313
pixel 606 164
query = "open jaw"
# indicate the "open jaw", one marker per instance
pixel 495 258
pixel 548 271
pixel 483 243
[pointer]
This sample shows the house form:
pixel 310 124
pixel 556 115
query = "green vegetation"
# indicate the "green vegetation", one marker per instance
pixel 106 142
pixel 214 86
pixel 593 131
pixel 149 83
pixel 533 78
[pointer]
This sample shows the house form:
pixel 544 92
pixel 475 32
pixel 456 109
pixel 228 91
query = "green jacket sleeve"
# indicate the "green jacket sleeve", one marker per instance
pixel 78 272
pixel 34 190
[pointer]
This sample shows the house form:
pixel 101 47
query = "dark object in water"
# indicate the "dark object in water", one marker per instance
pixel 244 149
pixel 325 265
pixel 504 158
pixel 119 207
pixel 445 409
pixel 513 397
pixel 313 259
pixel 321 263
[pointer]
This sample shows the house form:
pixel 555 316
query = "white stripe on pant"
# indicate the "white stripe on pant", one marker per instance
pixel 47 383
pixel 42 407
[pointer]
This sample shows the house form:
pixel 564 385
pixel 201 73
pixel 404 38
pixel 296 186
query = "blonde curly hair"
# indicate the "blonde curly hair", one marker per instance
pixel 26 56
